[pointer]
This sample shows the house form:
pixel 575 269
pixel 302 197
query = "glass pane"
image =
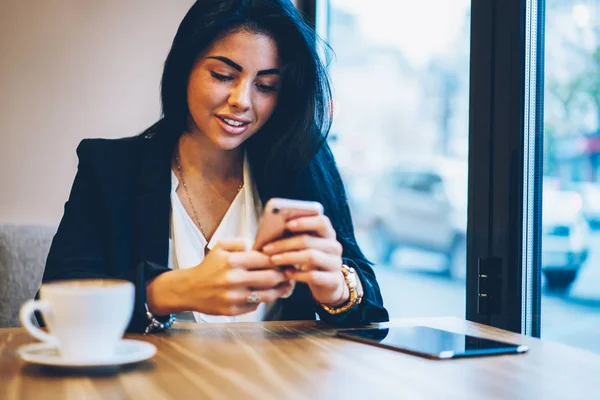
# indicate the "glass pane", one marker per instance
pixel 400 136
pixel 571 190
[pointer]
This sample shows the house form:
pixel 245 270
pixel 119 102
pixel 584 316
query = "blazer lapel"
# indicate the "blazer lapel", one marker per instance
pixel 153 203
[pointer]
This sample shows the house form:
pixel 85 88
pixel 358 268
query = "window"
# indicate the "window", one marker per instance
pixel 400 136
pixel 571 187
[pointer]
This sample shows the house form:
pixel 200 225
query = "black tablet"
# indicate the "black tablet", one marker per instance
pixel 431 343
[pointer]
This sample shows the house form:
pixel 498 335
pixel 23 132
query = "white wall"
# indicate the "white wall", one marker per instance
pixel 71 69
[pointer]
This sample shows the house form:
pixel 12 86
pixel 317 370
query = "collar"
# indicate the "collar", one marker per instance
pixel 242 216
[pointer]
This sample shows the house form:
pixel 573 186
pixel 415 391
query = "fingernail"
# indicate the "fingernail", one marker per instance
pixel 293 224
pixel 268 248
pixel 276 258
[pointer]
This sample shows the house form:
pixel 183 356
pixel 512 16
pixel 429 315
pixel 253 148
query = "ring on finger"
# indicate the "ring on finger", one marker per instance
pixel 253 298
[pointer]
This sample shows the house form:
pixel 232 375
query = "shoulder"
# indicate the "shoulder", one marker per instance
pixel 110 163
pixel 128 153
pixel 114 165
pixel 100 150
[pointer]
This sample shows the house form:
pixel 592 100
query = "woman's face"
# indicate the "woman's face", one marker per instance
pixel 233 88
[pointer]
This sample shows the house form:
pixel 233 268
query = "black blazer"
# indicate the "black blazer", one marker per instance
pixel 116 225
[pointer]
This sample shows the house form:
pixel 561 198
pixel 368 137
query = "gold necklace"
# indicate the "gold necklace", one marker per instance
pixel 185 188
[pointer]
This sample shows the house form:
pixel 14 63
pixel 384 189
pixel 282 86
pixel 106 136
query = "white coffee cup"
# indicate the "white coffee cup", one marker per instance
pixel 85 318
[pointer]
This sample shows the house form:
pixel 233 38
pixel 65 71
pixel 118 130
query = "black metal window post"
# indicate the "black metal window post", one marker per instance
pixel 501 76
pixel 309 9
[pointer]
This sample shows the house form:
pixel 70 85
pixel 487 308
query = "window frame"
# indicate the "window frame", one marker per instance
pixel 500 32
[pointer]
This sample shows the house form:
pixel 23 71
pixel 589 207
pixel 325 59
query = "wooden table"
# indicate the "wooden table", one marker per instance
pixel 300 360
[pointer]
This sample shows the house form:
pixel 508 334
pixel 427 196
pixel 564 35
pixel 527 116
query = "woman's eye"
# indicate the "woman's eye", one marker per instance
pixel 266 88
pixel 222 78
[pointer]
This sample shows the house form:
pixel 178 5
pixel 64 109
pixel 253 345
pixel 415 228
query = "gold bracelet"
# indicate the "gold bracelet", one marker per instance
pixel 354 298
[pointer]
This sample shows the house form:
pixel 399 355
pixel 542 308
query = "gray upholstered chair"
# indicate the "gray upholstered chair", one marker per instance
pixel 23 252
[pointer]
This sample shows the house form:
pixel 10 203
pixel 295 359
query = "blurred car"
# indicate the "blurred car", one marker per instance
pixel 565 235
pixel 590 196
pixel 418 204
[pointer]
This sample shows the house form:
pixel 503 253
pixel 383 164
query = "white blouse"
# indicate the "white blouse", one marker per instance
pixel 187 243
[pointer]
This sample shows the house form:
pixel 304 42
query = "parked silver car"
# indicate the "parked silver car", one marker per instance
pixel 422 204
pixel 419 204
pixel 565 237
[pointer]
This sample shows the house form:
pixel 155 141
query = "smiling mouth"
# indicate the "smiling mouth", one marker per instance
pixel 233 126
pixel 232 122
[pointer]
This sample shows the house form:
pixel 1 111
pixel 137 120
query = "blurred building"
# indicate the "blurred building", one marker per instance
pixel 577 157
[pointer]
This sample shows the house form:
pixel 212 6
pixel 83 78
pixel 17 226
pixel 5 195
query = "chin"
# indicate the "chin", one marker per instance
pixel 229 143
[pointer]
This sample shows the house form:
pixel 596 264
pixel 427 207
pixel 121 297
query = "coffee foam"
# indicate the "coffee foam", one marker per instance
pixel 83 283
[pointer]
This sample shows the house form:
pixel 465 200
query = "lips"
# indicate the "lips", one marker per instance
pixel 236 118
pixel 233 130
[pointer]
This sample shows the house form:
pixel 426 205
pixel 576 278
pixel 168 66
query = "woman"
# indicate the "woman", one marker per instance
pixel 245 115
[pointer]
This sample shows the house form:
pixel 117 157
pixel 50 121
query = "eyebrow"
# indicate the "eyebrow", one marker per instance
pixel 272 71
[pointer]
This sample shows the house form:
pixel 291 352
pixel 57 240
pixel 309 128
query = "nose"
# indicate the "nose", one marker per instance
pixel 240 97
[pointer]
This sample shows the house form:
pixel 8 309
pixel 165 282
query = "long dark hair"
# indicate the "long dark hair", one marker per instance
pixel 289 156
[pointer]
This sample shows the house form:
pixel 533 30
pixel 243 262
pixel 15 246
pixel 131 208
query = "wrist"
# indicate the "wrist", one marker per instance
pixel 355 292
pixel 344 297
pixel 164 294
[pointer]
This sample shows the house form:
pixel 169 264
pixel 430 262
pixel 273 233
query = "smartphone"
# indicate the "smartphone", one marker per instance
pixel 431 343
pixel 277 213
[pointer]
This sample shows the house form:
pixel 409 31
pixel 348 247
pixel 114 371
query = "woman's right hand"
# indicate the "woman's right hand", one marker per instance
pixel 220 284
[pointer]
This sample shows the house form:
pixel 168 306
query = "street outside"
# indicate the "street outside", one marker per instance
pixel 412 288
pixel 401 141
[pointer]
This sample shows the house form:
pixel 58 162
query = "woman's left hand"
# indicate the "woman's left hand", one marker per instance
pixel 317 255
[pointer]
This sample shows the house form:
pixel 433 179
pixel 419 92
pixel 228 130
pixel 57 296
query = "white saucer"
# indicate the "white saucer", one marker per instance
pixel 128 352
